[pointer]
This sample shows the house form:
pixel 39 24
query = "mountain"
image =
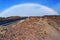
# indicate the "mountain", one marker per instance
pixel 8 20
pixel 32 28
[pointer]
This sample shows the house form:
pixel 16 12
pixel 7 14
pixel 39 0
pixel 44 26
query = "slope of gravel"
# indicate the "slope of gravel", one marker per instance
pixel 33 28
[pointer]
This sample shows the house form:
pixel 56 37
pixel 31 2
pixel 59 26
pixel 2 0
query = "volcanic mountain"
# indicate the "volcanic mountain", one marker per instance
pixel 31 28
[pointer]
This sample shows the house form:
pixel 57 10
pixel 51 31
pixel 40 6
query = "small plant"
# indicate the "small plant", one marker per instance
pixel 3 29
pixel 42 31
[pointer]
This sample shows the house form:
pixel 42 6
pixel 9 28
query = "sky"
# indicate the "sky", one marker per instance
pixel 54 4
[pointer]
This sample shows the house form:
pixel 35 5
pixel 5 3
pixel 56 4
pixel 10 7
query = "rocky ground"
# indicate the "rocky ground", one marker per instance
pixel 32 28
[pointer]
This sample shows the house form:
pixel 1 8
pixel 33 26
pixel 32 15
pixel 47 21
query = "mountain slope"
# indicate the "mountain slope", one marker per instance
pixel 34 28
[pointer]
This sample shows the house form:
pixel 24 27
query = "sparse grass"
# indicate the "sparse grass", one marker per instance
pixel 3 29
pixel 42 31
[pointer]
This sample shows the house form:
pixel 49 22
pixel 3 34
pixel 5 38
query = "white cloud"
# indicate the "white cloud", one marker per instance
pixel 28 9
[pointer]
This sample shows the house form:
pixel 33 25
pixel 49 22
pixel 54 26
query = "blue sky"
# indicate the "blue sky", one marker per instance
pixel 55 4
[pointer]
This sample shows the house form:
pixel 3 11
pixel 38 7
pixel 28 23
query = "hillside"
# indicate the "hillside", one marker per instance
pixel 32 28
pixel 11 19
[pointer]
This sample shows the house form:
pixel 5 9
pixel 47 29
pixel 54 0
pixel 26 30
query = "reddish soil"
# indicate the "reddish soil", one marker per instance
pixel 34 28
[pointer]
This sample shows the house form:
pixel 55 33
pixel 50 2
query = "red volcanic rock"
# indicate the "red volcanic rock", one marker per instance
pixel 13 17
pixel 34 28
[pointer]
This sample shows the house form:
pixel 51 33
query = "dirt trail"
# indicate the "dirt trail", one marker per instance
pixel 52 32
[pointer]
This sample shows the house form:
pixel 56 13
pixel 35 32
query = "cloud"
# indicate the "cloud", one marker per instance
pixel 28 9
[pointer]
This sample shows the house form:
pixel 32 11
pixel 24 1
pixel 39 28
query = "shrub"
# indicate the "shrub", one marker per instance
pixel 3 29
